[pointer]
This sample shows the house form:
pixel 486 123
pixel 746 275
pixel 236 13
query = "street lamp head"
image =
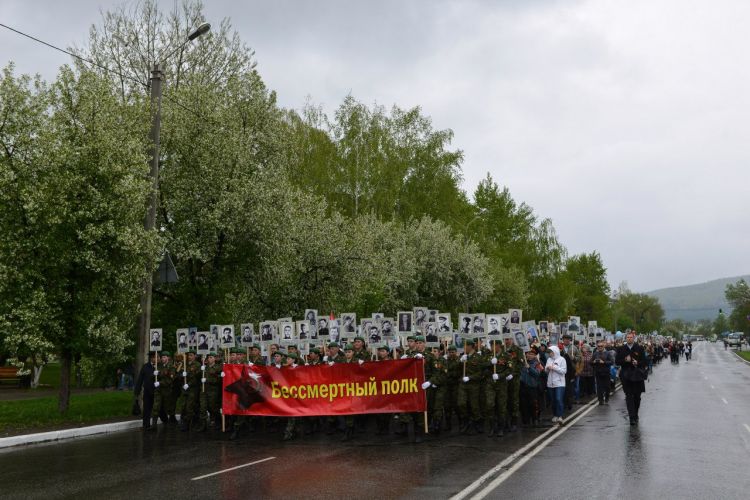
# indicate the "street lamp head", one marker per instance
pixel 200 30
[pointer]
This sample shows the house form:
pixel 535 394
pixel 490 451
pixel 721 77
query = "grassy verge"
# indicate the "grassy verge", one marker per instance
pixel 50 375
pixel 744 355
pixel 38 415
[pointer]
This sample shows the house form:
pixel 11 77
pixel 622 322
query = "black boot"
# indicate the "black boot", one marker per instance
pixel 500 425
pixel 172 419
pixel 513 425
pixel 348 434
pixel 201 427
pixel 154 422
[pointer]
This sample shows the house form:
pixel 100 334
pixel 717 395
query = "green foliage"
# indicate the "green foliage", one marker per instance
pixel 588 278
pixel 721 324
pixel 638 311
pixel 738 296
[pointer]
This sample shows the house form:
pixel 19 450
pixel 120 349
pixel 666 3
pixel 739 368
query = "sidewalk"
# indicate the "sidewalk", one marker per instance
pixel 18 394
pixel 44 437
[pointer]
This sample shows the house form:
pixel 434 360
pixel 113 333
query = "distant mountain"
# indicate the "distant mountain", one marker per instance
pixel 694 302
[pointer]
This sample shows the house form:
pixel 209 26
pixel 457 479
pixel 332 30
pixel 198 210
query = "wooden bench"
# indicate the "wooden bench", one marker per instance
pixel 9 373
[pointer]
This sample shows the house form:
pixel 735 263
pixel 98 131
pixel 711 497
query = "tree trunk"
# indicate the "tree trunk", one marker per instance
pixel 63 401
pixel 37 375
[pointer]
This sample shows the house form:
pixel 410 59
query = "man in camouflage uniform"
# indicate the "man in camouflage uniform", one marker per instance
pixel 436 375
pixel 290 430
pixel 360 349
pixel 496 390
pixel 469 388
pixel 383 420
pixel 210 396
pixel 163 400
pixel 190 392
pixel 313 424
pixel 517 360
pixel 349 419
pixel 454 370
pixel 334 354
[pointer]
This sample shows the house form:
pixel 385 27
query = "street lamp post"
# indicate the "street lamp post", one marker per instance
pixel 155 84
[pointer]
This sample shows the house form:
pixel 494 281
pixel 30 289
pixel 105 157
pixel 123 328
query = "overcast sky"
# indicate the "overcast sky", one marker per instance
pixel 625 122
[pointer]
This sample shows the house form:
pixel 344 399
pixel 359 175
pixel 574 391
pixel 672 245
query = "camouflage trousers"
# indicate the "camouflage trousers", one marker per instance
pixel 436 402
pixel 210 401
pixel 468 401
pixel 496 400
pixel 514 389
pixel 164 402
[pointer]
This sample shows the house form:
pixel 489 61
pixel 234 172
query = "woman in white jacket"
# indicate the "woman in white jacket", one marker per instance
pixel 556 368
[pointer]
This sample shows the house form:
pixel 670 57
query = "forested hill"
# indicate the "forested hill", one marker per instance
pixel 694 302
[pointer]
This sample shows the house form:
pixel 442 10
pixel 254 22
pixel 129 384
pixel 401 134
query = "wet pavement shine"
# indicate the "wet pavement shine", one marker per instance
pixel 693 441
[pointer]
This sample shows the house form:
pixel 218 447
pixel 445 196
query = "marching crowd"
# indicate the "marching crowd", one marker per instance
pixel 491 388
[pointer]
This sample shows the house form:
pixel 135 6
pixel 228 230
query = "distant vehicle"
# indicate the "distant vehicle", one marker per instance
pixel 734 339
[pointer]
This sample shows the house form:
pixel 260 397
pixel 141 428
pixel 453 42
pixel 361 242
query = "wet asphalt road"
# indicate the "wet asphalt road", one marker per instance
pixel 689 444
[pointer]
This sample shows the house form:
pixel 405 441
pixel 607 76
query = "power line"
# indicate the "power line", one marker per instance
pixel 105 68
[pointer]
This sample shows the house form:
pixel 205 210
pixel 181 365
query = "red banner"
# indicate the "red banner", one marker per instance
pixel 340 389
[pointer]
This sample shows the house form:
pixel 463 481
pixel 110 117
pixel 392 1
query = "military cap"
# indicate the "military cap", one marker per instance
pixel 567 336
pixel 410 337
pixel 211 353
pixel 359 337
pixel 469 342
pixel 349 347
pixel 255 346
pixel 384 347
pixel 166 353
pixel 332 344
pixel 314 350
pixel 290 346
pixel 292 355
pixel 452 348
pixel 419 338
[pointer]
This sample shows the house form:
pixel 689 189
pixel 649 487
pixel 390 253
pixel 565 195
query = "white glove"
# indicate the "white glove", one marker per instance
pixel 331 363
pixel 418 355
pixel 203 367
pixel 325 359
pixel 465 379
pixel 404 357
pixel 222 374
pixel 361 361
pixel 156 384
pixel 493 361
pixel 203 380
pixel 495 376
pixel 464 358
pixel 509 378
pixel 185 387
pixel 294 365
pixel 184 374
pixel 426 385
pixel 445 356
pixel 156 373
pixel 250 363
pixel 278 366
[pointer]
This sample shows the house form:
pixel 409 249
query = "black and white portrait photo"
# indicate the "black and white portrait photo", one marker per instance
pixel 531 332
pixel 267 331
pixel 204 342
pixel 227 336
pixel 303 330
pixel 515 316
pixel 373 333
pixel 554 338
pixel 386 328
pixel 444 323
pixel 348 324
pixel 505 323
pixel 477 324
pixel 193 336
pixel 420 316
pixel 494 326
pixel 562 329
pixel 215 333
pixel 247 334
pixel 574 324
pixel 464 323
pixel 405 322
pixel 333 330
pixel 182 340
pixel 432 315
pixel 155 339
pixel 543 329
pixel 377 317
pixel 458 341
pixel 286 331
pixel 592 328
pixel 323 330
pixel 519 338
pixel 430 332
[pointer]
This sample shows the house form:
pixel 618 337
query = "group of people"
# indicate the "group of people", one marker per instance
pixel 491 388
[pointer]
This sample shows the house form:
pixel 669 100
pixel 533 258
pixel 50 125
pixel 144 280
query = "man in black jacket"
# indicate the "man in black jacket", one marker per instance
pixel 145 382
pixel 602 360
pixel 632 360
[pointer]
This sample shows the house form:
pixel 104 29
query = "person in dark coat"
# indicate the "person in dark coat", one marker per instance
pixel 632 360
pixel 145 382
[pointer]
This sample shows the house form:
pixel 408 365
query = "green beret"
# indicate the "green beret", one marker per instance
pixel 359 337
pixel 166 353
pixel 452 348
pixel 349 347
pixel 255 346
pixel 469 342
pixel 290 346
pixel 332 344
pixel 384 347
pixel 315 350
pixel 211 353
pixel 410 337
pixel 292 355
pixel 419 338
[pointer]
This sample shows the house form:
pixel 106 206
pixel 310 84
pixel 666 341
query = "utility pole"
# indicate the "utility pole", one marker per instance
pixel 144 320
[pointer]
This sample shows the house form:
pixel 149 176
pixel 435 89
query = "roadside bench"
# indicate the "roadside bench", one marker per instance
pixel 9 373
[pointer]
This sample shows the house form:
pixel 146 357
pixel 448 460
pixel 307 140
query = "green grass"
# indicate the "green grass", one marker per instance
pixel 745 355
pixel 50 375
pixel 41 414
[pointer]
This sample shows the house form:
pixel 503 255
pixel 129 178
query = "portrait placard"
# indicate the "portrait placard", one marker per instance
pixel 515 316
pixel 387 329
pixel 494 326
pixel 562 328
pixel 183 345
pixel 214 329
pixel 286 332
pixel 204 342
pixel 477 325
pixel 268 331
pixel 544 329
pixel 247 334
pixel 574 324
pixel 348 325
pixel 464 324
pixel 333 330
pixel 303 330
pixel 432 315
pixel 192 336
pixel 420 316
pixel 226 340
pixel 444 324
pixel 519 338
pixel 429 330
pixel 324 330
pixel 372 333
pixel 405 322
pixel 531 333
pixel 155 336
pixel 554 338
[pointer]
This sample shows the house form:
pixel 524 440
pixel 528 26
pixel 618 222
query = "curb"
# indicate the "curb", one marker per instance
pixel 45 437
pixel 740 358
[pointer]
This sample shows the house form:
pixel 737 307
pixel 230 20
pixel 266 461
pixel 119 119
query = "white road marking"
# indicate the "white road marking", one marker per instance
pixel 232 468
pixel 505 475
pixel 725 401
pixel 747 427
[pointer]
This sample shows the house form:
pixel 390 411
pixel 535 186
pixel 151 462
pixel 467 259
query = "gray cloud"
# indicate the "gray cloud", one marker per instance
pixel 624 122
